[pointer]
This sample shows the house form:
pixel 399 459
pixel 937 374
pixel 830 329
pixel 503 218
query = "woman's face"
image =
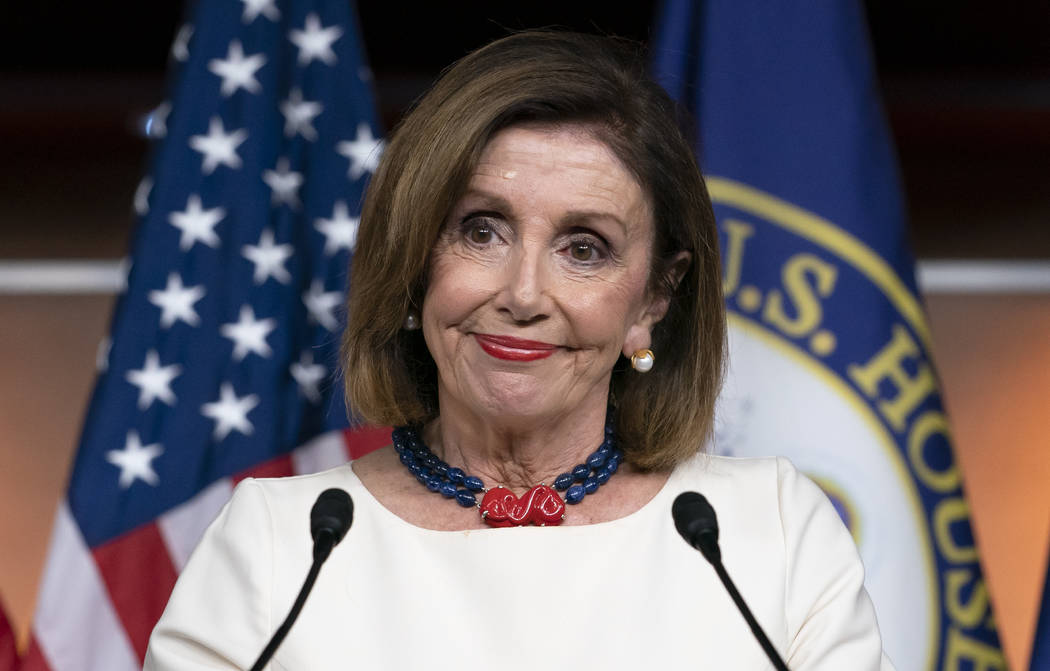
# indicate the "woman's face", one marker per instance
pixel 539 278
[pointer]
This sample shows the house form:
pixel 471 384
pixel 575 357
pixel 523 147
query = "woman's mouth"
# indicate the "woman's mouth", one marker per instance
pixel 509 348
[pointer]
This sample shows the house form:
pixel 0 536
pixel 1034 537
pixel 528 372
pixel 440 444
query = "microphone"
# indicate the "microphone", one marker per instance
pixel 695 520
pixel 330 519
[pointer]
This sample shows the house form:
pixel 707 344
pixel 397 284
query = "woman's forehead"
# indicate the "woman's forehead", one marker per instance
pixel 551 145
pixel 564 161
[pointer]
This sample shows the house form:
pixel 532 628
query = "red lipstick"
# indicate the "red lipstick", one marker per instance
pixel 514 349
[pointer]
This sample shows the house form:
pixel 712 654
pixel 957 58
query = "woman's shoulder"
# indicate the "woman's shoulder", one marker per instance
pixel 718 470
pixel 294 488
pixel 757 485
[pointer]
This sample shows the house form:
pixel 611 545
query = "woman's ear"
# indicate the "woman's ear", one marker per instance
pixel 675 270
pixel 639 335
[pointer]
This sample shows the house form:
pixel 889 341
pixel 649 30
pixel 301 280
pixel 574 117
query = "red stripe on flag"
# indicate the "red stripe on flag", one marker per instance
pixel 362 440
pixel 34 658
pixel 139 577
pixel 8 648
pixel 278 467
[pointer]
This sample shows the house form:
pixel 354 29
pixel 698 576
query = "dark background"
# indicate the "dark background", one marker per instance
pixel 966 87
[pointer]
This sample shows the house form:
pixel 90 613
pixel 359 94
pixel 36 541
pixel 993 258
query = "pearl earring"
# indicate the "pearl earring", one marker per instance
pixel 642 360
pixel 411 320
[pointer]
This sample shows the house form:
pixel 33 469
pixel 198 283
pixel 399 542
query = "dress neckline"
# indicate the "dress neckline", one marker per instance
pixel 664 493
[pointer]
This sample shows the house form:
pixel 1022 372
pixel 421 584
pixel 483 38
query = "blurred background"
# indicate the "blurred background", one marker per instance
pixel 966 88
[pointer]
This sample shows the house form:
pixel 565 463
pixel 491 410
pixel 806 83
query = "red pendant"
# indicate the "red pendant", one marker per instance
pixel 541 506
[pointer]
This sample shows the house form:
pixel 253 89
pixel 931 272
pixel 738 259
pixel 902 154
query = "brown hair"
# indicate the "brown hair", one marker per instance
pixel 663 416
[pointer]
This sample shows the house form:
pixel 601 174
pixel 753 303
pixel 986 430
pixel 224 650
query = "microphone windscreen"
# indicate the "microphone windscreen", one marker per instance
pixel 695 520
pixel 333 511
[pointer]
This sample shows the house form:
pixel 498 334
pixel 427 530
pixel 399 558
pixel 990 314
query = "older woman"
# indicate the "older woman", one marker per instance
pixel 536 304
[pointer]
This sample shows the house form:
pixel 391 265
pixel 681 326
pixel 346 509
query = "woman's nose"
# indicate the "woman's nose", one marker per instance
pixel 525 293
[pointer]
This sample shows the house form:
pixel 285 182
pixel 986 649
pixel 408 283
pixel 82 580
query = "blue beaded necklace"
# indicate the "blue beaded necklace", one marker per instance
pixel 541 505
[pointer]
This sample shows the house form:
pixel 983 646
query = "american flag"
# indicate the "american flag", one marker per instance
pixel 223 351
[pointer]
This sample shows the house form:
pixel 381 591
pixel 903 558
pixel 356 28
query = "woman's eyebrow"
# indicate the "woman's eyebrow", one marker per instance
pixel 486 199
pixel 584 217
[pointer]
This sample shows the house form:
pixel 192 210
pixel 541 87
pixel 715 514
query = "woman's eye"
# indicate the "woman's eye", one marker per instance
pixel 480 234
pixel 478 228
pixel 584 250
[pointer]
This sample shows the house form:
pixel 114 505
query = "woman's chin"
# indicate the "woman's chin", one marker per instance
pixel 506 398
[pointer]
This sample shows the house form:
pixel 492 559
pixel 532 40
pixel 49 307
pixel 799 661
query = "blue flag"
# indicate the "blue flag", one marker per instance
pixel 829 346
pixel 1041 644
pixel 224 345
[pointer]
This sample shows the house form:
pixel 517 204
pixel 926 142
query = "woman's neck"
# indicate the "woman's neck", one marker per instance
pixel 515 452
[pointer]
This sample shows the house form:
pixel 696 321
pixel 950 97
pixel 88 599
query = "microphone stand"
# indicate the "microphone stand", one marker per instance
pixel 282 631
pixel 763 640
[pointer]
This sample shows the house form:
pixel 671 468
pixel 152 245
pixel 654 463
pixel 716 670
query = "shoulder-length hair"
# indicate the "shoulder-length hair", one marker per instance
pixel 663 416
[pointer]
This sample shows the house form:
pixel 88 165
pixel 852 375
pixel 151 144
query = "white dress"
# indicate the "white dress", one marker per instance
pixel 626 594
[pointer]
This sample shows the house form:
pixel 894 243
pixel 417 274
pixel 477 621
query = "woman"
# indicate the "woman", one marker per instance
pixel 537 230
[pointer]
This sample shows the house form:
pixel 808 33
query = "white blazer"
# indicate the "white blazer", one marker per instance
pixel 627 594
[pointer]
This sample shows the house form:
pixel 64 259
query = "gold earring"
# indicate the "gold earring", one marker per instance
pixel 642 360
pixel 411 322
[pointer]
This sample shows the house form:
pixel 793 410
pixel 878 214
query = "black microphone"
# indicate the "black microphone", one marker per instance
pixel 330 519
pixel 696 521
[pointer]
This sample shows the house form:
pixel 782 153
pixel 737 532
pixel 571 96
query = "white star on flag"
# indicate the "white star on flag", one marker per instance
pixel 299 115
pixel 218 146
pixel 142 192
pixel 237 72
pixel 230 412
pixel 309 375
pixel 156 122
pixel 249 334
pixel 177 302
pixel 314 41
pixel 253 8
pixel 196 223
pixel 340 231
pixel 320 305
pixel 363 151
pixel 180 47
pixel 154 380
pixel 269 258
pixel 284 183
pixel 135 461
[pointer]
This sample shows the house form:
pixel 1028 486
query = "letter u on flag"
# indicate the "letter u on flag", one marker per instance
pixel 829 346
